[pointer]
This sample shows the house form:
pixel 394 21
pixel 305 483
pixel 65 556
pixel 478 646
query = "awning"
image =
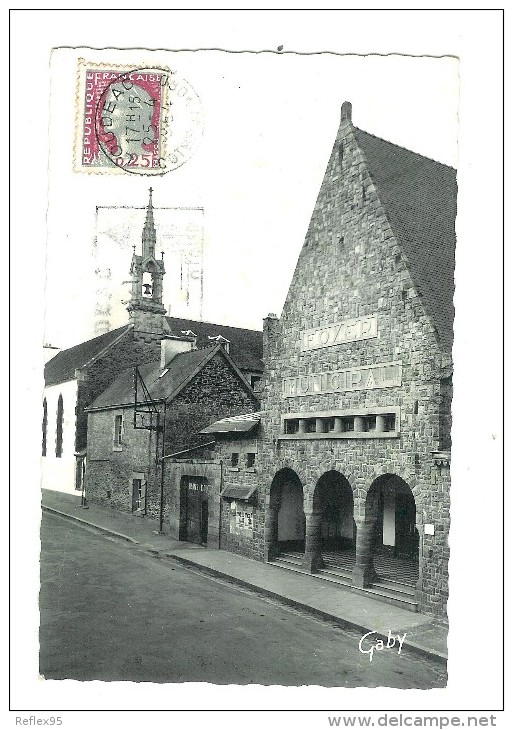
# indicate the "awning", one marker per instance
pixel 234 424
pixel 242 493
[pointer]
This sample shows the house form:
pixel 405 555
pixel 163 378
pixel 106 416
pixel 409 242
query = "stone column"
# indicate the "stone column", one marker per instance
pixel 380 423
pixel 312 559
pixel 358 423
pixel 338 425
pixel 364 573
pixel 271 529
pixel 302 425
pixel 319 425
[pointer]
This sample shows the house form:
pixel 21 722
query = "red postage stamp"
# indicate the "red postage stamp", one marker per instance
pixel 127 116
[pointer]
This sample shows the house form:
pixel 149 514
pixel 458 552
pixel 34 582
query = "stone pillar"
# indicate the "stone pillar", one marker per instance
pixel 312 559
pixel 358 423
pixel 271 529
pixel 364 573
pixel 319 425
pixel 302 425
pixel 338 425
pixel 380 422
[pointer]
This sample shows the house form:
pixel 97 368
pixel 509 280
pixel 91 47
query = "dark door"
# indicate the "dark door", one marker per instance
pixel 195 495
pixel 193 517
pixel 406 536
pixel 204 520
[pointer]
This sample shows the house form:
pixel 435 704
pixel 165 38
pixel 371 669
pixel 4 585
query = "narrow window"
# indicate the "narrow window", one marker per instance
pixel 235 460
pixel 369 423
pixel 348 424
pixel 45 427
pixel 389 424
pixel 254 380
pixel 250 460
pixel 58 439
pixel 291 425
pixel 310 425
pixel 118 431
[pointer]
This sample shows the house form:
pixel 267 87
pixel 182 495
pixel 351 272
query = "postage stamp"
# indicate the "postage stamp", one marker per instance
pixel 137 120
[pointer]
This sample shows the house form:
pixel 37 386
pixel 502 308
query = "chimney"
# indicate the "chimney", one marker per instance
pixel 346 112
pixel 271 327
pixel 220 340
pixel 172 346
pixel 193 336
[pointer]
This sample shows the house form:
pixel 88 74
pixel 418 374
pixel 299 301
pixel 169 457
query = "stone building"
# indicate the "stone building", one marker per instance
pixel 226 475
pixel 76 376
pixel 131 435
pixel 353 449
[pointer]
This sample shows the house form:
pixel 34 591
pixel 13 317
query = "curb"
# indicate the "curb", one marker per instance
pixel 106 530
pixel 317 612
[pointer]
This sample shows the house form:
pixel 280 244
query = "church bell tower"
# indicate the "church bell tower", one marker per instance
pixel 146 310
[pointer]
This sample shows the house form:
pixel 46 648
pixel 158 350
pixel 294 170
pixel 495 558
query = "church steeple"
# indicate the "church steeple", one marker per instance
pixel 149 234
pixel 147 312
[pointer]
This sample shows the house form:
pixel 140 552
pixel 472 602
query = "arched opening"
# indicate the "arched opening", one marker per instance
pixel 286 518
pixel 394 540
pixel 58 430
pixel 44 427
pixel 333 499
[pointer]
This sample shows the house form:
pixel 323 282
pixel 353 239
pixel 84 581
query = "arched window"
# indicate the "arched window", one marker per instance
pixel 45 427
pixel 58 440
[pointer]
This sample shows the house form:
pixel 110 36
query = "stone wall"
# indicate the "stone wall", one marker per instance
pixel 234 537
pixel 110 469
pixel 352 266
pixel 214 393
pixel 135 348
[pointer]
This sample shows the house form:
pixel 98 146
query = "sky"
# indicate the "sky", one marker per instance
pixel 269 122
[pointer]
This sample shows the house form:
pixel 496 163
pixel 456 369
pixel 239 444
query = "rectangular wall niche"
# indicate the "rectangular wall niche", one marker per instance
pixel 354 424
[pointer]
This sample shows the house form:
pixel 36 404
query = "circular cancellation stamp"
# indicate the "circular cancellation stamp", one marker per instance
pixel 142 121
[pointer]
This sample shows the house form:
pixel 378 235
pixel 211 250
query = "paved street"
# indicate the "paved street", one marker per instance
pixel 110 611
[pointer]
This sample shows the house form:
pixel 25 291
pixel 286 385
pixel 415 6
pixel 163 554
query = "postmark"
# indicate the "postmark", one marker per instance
pixel 135 120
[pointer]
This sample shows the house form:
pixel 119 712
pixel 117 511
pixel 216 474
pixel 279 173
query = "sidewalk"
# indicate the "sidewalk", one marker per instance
pixel 343 607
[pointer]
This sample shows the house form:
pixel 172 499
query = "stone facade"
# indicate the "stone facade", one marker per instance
pixel 135 348
pixel 245 538
pixel 353 304
pixel 216 390
pixel 214 393
pixel 357 388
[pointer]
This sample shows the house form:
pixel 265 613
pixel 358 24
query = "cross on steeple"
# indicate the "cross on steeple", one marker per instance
pixel 149 235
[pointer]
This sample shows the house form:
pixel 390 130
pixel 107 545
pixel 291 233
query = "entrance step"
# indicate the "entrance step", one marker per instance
pixel 383 589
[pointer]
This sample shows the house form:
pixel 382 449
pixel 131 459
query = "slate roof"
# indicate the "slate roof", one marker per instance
pixel 245 345
pixel 181 369
pixel 419 198
pixel 245 348
pixel 62 367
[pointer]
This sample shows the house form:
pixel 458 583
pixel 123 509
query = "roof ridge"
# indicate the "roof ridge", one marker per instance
pixel 405 149
pixel 213 324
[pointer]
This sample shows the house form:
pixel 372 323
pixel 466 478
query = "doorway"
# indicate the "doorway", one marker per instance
pixel 194 495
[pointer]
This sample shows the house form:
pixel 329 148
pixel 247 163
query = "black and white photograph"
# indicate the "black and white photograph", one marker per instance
pixel 256 313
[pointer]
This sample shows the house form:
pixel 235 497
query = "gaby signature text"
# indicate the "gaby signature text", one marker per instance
pixel 370 642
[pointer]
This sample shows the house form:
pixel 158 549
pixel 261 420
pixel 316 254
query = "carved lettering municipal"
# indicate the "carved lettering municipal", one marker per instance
pixel 368 377
pixel 350 330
